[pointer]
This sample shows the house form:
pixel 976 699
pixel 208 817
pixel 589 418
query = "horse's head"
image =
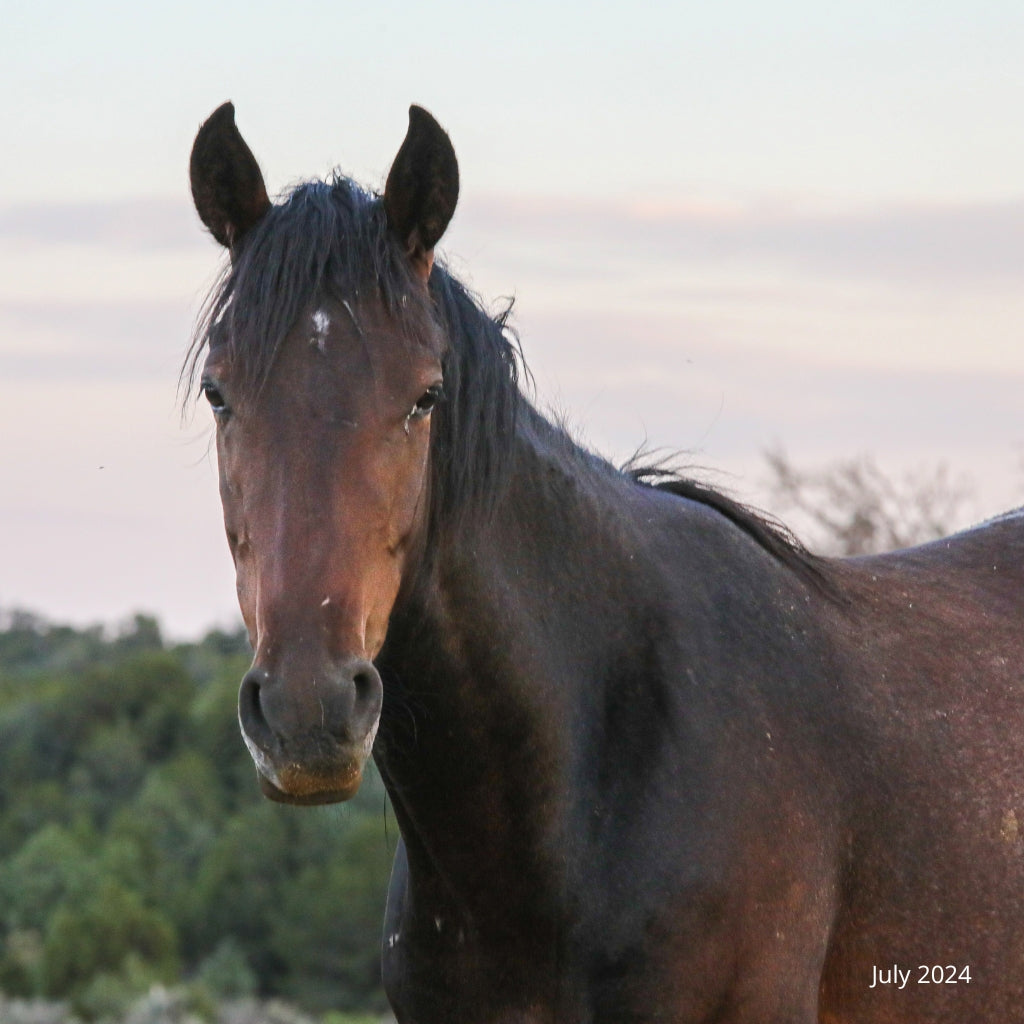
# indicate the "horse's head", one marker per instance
pixel 323 365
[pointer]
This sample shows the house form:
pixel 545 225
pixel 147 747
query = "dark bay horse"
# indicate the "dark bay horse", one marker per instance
pixel 651 761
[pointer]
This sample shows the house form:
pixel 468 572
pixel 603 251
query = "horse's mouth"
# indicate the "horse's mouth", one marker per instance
pixel 293 786
pixel 327 774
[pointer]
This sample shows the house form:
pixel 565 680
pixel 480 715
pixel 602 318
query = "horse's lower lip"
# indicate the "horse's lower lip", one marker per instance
pixel 311 792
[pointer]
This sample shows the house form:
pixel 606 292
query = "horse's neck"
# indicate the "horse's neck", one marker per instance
pixel 488 664
pixel 518 598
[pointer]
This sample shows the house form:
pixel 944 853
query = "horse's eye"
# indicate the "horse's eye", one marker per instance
pixel 214 397
pixel 428 400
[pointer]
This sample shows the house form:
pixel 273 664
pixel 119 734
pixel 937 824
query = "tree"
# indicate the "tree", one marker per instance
pixel 851 507
pixel 52 869
pixel 327 929
pixel 135 846
pixel 110 932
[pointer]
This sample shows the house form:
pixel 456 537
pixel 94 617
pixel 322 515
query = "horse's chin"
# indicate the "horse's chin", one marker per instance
pixel 305 790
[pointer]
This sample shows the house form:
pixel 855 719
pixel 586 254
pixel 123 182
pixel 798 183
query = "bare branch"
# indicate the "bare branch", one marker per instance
pixel 851 507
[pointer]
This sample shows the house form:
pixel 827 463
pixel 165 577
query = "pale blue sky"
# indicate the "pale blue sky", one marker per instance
pixel 727 226
pixel 879 98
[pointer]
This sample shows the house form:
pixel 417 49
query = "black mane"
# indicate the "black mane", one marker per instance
pixel 768 534
pixel 332 239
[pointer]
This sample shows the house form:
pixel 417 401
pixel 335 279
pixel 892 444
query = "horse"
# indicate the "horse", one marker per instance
pixel 650 759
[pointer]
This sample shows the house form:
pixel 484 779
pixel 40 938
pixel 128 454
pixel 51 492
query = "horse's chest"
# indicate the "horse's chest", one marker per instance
pixel 455 979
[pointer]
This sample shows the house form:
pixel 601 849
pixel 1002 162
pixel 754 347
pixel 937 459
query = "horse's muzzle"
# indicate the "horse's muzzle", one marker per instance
pixel 310 740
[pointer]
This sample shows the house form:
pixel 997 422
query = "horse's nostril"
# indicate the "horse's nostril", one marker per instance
pixel 365 680
pixel 366 683
pixel 343 706
pixel 368 696
pixel 250 708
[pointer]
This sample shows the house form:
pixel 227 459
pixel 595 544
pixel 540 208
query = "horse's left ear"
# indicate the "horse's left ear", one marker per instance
pixel 227 183
pixel 422 189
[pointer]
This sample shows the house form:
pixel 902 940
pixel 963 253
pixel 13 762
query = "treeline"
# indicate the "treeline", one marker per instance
pixel 135 847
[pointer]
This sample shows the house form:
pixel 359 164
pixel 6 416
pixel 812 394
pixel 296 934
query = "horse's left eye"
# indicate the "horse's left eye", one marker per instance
pixel 214 397
pixel 428 400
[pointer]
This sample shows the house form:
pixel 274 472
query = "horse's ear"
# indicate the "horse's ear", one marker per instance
pixel 422 189
pixel 227 184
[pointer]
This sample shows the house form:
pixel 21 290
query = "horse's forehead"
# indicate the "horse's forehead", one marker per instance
pixel 329 327
pixel 321 325
pixel 342 347
pixel 366 325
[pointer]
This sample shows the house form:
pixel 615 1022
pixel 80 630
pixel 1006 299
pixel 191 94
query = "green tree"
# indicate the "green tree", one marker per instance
pixel 54 868
pixel 135 845
pixel 327 933
pixel 106 934
pixel 173 822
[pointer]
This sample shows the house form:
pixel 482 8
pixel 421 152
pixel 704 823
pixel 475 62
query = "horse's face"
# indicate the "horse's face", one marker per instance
pixel 323 478
pixel 324 481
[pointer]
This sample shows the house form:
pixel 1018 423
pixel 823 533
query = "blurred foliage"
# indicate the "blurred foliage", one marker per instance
pixel 136 849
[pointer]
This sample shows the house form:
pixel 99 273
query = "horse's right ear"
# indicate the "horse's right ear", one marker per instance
pixel 227 184
pixel 422 189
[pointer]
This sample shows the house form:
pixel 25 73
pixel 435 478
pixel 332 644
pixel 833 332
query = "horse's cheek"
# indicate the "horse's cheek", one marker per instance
pixel 409 495
pixel 246 591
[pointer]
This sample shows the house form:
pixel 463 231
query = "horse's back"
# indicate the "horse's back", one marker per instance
pixel 936 635
pixel 992 551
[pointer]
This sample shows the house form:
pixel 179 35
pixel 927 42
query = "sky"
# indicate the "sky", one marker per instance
pixel 726 227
